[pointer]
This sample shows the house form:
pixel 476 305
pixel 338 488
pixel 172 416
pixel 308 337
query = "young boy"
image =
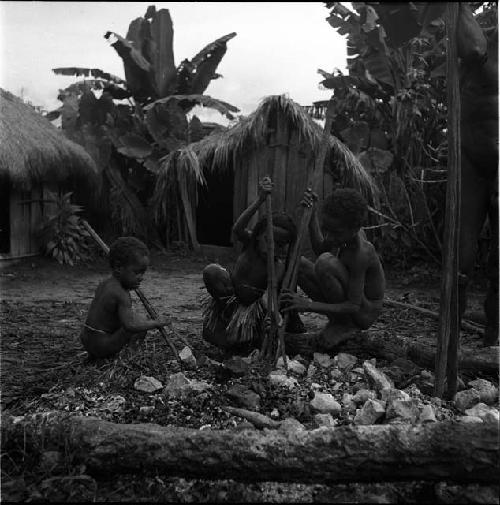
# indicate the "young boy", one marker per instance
pixel 234 316
pixel 347 282
pixel 110 323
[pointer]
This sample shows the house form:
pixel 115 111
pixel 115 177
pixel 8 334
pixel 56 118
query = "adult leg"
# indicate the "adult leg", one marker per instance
pixel 491 303
pixel 473 210
pixel 217 281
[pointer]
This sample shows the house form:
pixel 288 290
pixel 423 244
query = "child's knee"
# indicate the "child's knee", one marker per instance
pixel 211 273
pixel 326 264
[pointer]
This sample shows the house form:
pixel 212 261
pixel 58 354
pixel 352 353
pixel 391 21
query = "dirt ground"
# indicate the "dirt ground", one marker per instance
pixel 44 367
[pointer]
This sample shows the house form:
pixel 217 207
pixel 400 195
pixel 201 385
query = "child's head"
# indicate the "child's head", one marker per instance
pixel 342 214
pixel 129 260
pixel 284 232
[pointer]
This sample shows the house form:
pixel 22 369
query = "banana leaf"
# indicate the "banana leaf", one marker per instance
pixel 167 123
pixel 134 146
pixel 94 72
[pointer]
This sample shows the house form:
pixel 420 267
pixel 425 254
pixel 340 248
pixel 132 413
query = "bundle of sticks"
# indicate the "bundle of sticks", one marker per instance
pixel 274 343
pixel 142 297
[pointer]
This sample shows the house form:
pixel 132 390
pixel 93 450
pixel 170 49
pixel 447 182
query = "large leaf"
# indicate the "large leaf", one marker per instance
pixel 134 146
pixel 189 101
pixel 94 111
pixel 138 71
pixel 94 72
pixel 167 123
pixel 194 76
pixel 376 161
pixel 162 52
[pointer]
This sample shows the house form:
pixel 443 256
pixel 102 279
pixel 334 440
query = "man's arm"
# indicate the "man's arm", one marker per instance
pixel 129 321
pixel 315 233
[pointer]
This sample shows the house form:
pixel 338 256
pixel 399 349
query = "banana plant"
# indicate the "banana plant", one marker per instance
pixel 142 118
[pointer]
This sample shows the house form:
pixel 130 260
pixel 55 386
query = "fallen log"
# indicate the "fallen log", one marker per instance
pixel 422 353
pixel 431 452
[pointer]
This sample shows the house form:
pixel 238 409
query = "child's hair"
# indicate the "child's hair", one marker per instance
pixel 124 250
pixel 347 204
pixel 280 220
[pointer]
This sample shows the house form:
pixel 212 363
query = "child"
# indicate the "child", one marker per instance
pixel 110 323
pixel 234 316
pixel 347 282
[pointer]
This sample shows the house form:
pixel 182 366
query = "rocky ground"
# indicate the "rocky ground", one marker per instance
pixel 44 369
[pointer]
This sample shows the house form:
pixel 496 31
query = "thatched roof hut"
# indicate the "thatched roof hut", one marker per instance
pixel 280 139
pixel 34 157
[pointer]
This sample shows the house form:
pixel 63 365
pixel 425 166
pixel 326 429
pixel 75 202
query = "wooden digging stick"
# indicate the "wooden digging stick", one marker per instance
pixel 147 305
pixel 449 321
pixel 290 279
pixel 272 290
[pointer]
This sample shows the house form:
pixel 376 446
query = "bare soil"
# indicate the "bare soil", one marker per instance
pixel 44 367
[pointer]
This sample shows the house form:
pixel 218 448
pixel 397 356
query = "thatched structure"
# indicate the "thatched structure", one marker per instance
pixel 280 139
pixel 35 157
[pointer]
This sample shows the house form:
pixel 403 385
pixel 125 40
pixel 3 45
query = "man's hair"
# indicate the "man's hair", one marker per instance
pixel 125 250
pixel 280 220
pixel 346 204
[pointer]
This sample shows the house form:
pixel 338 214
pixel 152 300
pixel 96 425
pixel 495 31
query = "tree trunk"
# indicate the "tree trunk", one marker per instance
pixel 434 451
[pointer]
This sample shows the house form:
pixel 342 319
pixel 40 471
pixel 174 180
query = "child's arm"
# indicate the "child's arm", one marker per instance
pixel 239 227
pixel 132 323
pixel 309 200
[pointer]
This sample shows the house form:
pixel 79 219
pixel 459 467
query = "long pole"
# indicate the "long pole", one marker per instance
pixel 449 321
pixel 142 297
pixel 290 278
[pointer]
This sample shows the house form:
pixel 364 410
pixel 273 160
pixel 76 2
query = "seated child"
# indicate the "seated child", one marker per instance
pixel 110 323
pixel 234 315
pixel 347 282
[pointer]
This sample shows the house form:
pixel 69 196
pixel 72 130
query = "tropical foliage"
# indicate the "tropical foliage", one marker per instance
pixel 62 235
pixel 391 111
pixel 135 123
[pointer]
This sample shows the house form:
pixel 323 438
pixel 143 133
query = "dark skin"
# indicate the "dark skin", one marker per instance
pixel 248 279
pixel 479 160
pixel 111 311
pixel 346 283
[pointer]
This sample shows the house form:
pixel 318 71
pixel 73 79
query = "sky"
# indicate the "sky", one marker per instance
pixel 278 48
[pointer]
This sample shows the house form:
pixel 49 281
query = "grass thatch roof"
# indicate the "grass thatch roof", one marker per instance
pixel 32 150
pixel 217 150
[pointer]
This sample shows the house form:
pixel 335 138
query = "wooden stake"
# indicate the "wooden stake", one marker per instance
pixel 142 297
pixel 290 279
pixel 449 324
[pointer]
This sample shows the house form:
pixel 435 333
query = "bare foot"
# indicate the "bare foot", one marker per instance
pixel 334 334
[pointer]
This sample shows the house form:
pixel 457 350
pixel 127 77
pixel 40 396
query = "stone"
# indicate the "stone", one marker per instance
pixel 293 366
pixel 345 360
pixel 324 420
pixel 358 370
pixel 311 370
pixel 146 409
pixel 336 374
pixel 147 384
pixel 283 381
pixel 323 360
pixel 348 403
pixel 363 395
pixel 393 394
pixel 315 385
pixel 236 366
pixel 179 386
pixel 488 392
pixel 402 410
pixel 252 357
pixel 291 425
pixel 187 358
pixel 427 415
pixel 325 403
pixel 376 377
pixel 484 412
pixel 275 413
pixel 370 413
pixel 469 419
pixel 244 397
pixel 466 399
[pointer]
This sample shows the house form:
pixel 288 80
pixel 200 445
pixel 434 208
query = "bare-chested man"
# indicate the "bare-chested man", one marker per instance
pixel 347 282
pixel 110 323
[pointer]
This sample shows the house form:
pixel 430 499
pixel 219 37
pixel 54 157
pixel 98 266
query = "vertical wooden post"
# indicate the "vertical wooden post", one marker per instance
pixel 449 327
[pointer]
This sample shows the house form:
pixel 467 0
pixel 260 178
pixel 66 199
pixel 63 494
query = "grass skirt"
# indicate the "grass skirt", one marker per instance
pixel 244 324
